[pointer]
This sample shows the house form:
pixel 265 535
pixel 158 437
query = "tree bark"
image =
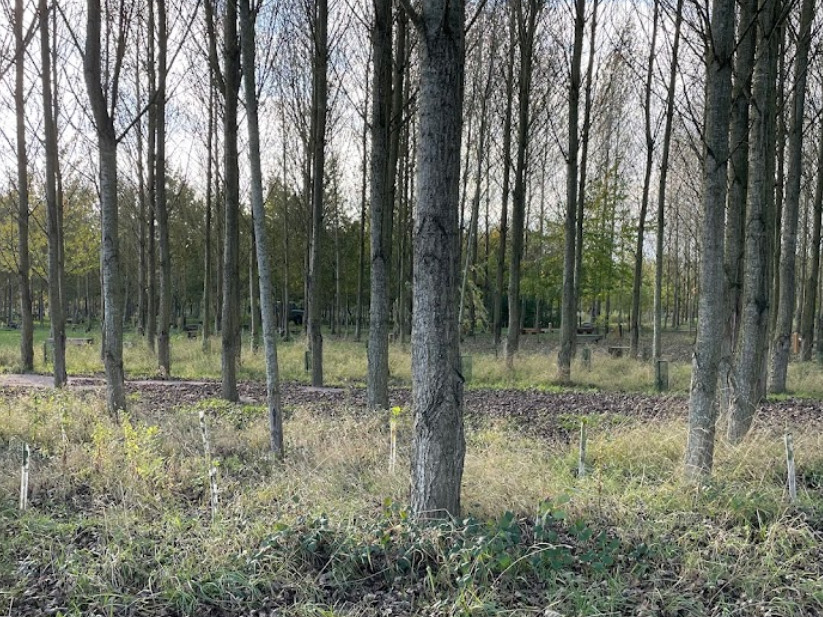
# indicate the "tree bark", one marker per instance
pixel 781 341
pixel 380 203
pixel 438 448
pixel 810 296
pixel 657 345
pixel 230 334
pixel 23 263
pixel 320 96
pixel 568 318
pixel 748 387
pixel 637 282
pixel 699 457
pixel 267 304
pixel 112 280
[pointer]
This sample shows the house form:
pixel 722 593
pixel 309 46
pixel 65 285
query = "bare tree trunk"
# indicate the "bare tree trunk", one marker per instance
pixel 207 249
pixel 112 280
pixel 810 297
pixel 23 265
pixel 267 304
pixel 361 264
pixel 644 203
pixel 286 310
pixel 748 386
pixel 657 345
pixel 507 165
pixel 782 336
pixel 438 449
pixel 702 396
pixel 380 199
pixel 231 215
pixel 568 319
pixel 58 320
pixel 526 37
pixel 161 207
pixel 320 96
pixel 737 194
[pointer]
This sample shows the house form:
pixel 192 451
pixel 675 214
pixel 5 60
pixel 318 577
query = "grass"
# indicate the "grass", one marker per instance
pixel 120 524
pixel 345 363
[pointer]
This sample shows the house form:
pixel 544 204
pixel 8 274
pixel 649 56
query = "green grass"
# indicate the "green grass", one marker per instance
pixel 119 520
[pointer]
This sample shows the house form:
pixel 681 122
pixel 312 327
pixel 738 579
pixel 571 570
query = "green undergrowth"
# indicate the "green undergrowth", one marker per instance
pixel 119 521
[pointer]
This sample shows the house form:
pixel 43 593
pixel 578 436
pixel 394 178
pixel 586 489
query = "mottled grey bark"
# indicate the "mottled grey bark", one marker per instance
pixel 438 449
pixel 526 27
pixel 781 340
pixel 230 334
pixel 810 296
pixel 107 146
pixel 361 264
pixel 319 109
pixel 657 345
pixel 380 203
pixel 737 193
pixel 568 307
pixel 748 387
pixel 637 281
pixel 23 265
pixel 161 207
pixel 267 304
pixel 207 248
pixel 699 457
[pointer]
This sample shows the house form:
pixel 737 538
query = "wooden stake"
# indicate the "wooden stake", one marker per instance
pixel 204 429
pixel 790 466
pixel 24 479
pixel 581 461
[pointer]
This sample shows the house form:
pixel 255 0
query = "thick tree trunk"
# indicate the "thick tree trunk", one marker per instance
pixel 702 396
pixel 320 95
pixel 737 194
pixel 748 385
pixel 657 345
pixel 231 228
pixel 380 200
pixel 438 449
pixel 56 300
pixel 23 267
pixel 781 341
pixel 267 304
pixel 568 311
pixel 112 280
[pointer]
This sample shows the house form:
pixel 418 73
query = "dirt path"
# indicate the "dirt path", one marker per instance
pixel 544 414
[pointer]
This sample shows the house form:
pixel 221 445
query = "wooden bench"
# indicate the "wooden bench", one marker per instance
pixel 589 338
pixel 618 351
pixel 534 330
pixel 192 330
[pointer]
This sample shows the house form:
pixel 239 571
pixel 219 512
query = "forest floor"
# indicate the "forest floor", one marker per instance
pixel 119 519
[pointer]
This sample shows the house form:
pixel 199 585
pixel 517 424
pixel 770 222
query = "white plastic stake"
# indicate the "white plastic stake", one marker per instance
pixel 24 478
pixel 204 429
pixel 790 467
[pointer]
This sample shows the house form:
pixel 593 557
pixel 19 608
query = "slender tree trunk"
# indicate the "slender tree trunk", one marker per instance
pixel 657 345
pixel 207 249
pixel 584 157
pixel 702 396
pixel 781 341
pixel 23 267
pixel 286 309
pixel 380 200
pixel 231 215
pixel 267 304
pixel 58 321
pixel 161 207
pixel 438 449
pixel 748 386
pixel 507 165
pixel 361 264
pixel 320 96
pixel 526 37
pixel 637 283
pixel 112 280
pixel 568 319
pixel 810 296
